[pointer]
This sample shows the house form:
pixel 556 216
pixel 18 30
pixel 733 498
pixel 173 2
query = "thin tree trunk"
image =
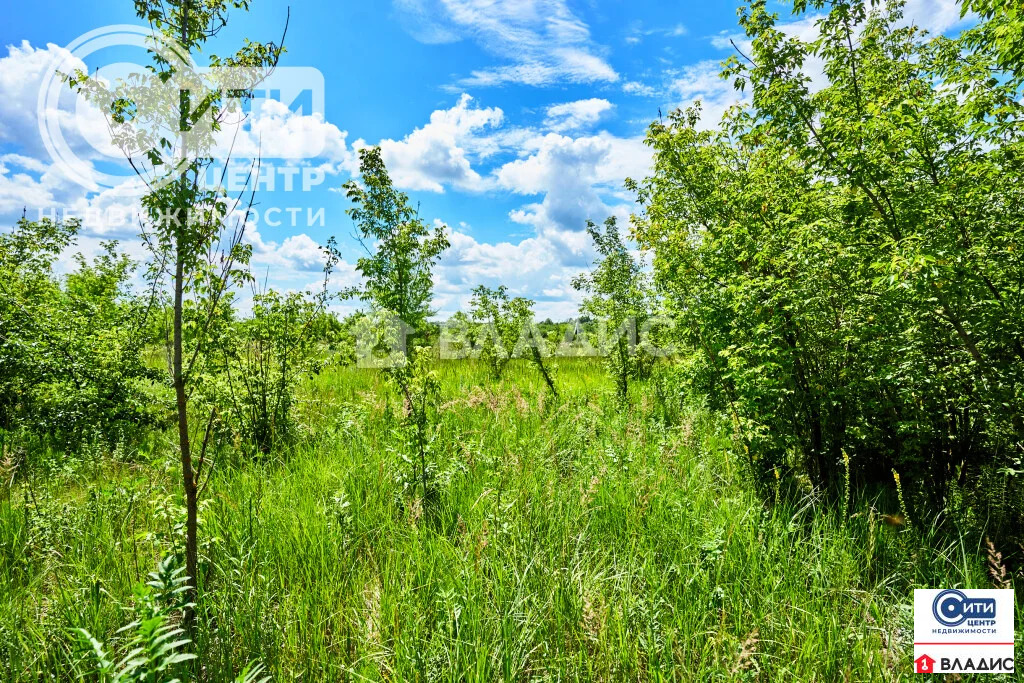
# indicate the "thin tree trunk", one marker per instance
pixel 188 476
pixel 181 398
pixel 539 360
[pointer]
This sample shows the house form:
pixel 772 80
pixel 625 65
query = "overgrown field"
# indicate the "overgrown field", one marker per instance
pixel 561 540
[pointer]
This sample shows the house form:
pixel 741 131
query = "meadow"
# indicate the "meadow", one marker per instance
pixel 564 540
pixel 811 401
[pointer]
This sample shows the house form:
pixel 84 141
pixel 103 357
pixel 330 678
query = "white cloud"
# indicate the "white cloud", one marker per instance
pixel 575 176
pixel 532 267
pixel 702 82
pixel 566 181
pixel 639 89
pixel 28 163
pixel 277 132
pixel 19 191
pixel 295 254
pixel 82 125
pixel 30 185
pixel 935 16
pixel 637 32
pixel 543 40
pixel 576 115
pixel 438 154
pixel 21 73
pixel 272 131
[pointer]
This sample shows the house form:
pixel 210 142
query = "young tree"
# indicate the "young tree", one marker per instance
pixel 401 252
pixel 499 324
pixel 186 225
pixel 458 337
pixel 401 249
pixel 531 342
pixel 620 297
pixel 506 330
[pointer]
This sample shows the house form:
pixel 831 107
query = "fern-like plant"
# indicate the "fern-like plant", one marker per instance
pixel 153 647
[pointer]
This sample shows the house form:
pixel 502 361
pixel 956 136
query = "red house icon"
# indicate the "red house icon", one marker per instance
pixel 925 664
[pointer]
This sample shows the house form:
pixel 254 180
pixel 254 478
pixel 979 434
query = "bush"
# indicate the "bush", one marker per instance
pixel 260 362
pixel 71 363
pixel 847 261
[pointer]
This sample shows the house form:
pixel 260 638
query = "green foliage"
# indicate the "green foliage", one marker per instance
pixel 846 262
pixel 505 329
pixel 420 391
pixel 609 544
pixel 192 228
pixel 152 648
pixel 261 360
pixel 500 324
pixel 1002 32
pixel 397 272
pixel 844 266
pixel 621 299
pixel 458 339
pixel 71 364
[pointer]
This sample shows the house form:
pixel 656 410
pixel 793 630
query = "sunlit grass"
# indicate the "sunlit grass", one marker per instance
pixel 566 540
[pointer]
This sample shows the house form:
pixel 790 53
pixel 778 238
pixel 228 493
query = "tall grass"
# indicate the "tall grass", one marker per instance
pixel 567 540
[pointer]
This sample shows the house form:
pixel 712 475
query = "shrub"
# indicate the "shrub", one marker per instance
pixel 847 261
pixel 71 363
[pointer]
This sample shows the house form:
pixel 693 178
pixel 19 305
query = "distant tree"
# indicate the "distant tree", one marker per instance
pixel 458 337
pixel 262 359
pixel 620 297
pixel 401 249
pixel 497 326
pixel 506 329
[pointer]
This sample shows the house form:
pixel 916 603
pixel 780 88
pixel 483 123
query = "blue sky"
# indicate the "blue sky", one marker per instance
pixel 510 121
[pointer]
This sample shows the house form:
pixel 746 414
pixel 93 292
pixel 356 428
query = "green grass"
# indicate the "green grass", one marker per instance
pixel 566 541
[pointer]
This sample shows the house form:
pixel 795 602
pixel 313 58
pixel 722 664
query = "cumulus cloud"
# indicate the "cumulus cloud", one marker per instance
pixel 19 189
pixel 83 127
pixel 21 73
pixel 38 189
pixel 296 253
pixel 542 41
pixel 565 179
pixel 702 81
pixel 438 153
pixel 575 177
pixel 935 16
pixel 576 115
pixel 532 267
pixel 277 132
pixel 564 174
